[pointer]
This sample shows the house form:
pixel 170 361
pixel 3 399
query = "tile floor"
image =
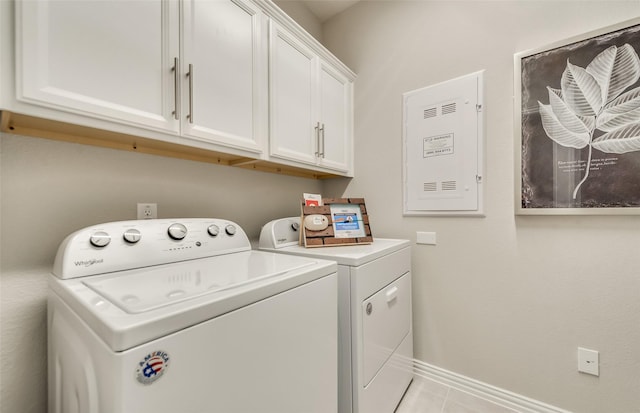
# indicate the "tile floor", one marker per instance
pixel 428 396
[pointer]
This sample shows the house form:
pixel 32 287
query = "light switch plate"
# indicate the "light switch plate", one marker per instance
pixel 428 238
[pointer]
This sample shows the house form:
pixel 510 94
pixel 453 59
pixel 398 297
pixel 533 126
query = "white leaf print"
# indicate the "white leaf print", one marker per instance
pixel 601 68
pixel 556 131
pixel 568 119
pixel 580 90
pixel 620 112
pixel 625 102
pixel 609 122
pixel 621 140
pixel 591 99
pixel 615 69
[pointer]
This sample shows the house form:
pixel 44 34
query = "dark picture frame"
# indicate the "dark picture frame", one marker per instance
pixel 577 124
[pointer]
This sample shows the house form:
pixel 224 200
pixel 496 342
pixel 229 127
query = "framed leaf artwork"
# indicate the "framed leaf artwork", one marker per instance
pixel 577 121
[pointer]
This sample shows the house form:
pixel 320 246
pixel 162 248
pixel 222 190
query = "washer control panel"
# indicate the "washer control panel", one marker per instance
pixel 124 245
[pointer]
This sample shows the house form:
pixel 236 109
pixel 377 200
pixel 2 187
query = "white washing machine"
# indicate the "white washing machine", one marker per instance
pixel 375 332
pixel 169 316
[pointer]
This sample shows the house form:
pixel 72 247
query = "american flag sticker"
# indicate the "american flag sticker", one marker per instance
pixel 152 367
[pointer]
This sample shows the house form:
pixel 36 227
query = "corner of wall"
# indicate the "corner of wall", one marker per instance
pixel 299 12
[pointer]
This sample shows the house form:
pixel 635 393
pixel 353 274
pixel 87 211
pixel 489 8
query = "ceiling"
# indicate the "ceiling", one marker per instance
pixel 325 9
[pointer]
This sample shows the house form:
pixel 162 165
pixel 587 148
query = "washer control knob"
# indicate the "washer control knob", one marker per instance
pixel 177 231
pixel 213 230
pixel 230 230
pixel 369 308
pixel 132 235
pixel 100 239
pixel 295 226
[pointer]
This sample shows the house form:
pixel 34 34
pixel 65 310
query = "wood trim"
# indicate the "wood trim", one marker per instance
pixel 23 125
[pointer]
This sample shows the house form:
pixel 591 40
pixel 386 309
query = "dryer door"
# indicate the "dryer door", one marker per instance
pixel 386 321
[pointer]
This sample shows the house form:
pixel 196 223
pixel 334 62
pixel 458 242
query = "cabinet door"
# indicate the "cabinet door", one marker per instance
pixel 335 117
pixel 108 59
pixel 293 98
pixel 223 71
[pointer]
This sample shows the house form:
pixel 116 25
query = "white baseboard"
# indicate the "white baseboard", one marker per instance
pixel 483 390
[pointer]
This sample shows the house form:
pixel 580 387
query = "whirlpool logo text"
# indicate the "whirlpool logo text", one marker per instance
pixel 88 263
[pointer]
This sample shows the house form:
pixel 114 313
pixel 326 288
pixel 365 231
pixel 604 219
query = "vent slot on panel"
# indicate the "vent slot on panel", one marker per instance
pixel 449 185
pixel 430 113
pixel 449 108
pixel 430 187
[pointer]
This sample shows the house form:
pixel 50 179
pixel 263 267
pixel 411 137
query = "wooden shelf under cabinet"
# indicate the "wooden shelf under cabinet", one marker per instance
pixel 23 125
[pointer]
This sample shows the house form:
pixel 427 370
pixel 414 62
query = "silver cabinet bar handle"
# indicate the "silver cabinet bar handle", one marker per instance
pixel 190 75
pixel 322 132
pixel 317 129
pixel 176 92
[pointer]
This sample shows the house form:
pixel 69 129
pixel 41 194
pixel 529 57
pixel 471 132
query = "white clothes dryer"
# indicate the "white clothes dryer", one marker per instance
pixel 169 316
pixel 375 331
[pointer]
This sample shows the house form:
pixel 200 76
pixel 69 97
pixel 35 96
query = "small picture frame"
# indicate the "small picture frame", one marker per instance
pixel 338 221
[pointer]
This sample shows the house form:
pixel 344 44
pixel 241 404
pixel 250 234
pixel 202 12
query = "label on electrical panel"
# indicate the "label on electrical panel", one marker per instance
pixel 437 145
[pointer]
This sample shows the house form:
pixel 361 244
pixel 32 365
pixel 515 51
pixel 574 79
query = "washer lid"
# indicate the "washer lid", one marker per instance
pixel 142 290
pixel 243 278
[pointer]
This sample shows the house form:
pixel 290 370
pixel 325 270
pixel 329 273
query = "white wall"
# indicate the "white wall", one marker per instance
pixel 50 189
pixel 503 299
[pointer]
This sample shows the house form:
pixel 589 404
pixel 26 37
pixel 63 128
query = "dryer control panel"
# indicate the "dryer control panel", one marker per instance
pixel 124 245
pixel 280 233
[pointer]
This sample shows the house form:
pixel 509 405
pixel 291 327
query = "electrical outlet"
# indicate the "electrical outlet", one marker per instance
pixel 588 361
pixel 147 211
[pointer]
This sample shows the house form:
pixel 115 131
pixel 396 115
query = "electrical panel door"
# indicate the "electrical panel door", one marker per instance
pixel 443 143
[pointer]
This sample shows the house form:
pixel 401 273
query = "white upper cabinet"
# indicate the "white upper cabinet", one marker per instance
pixel 293 99
pixel 134 62
pixel 232 77
pixel 310 106
pixel 336 118
pixel 224 73
pixel 110 59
